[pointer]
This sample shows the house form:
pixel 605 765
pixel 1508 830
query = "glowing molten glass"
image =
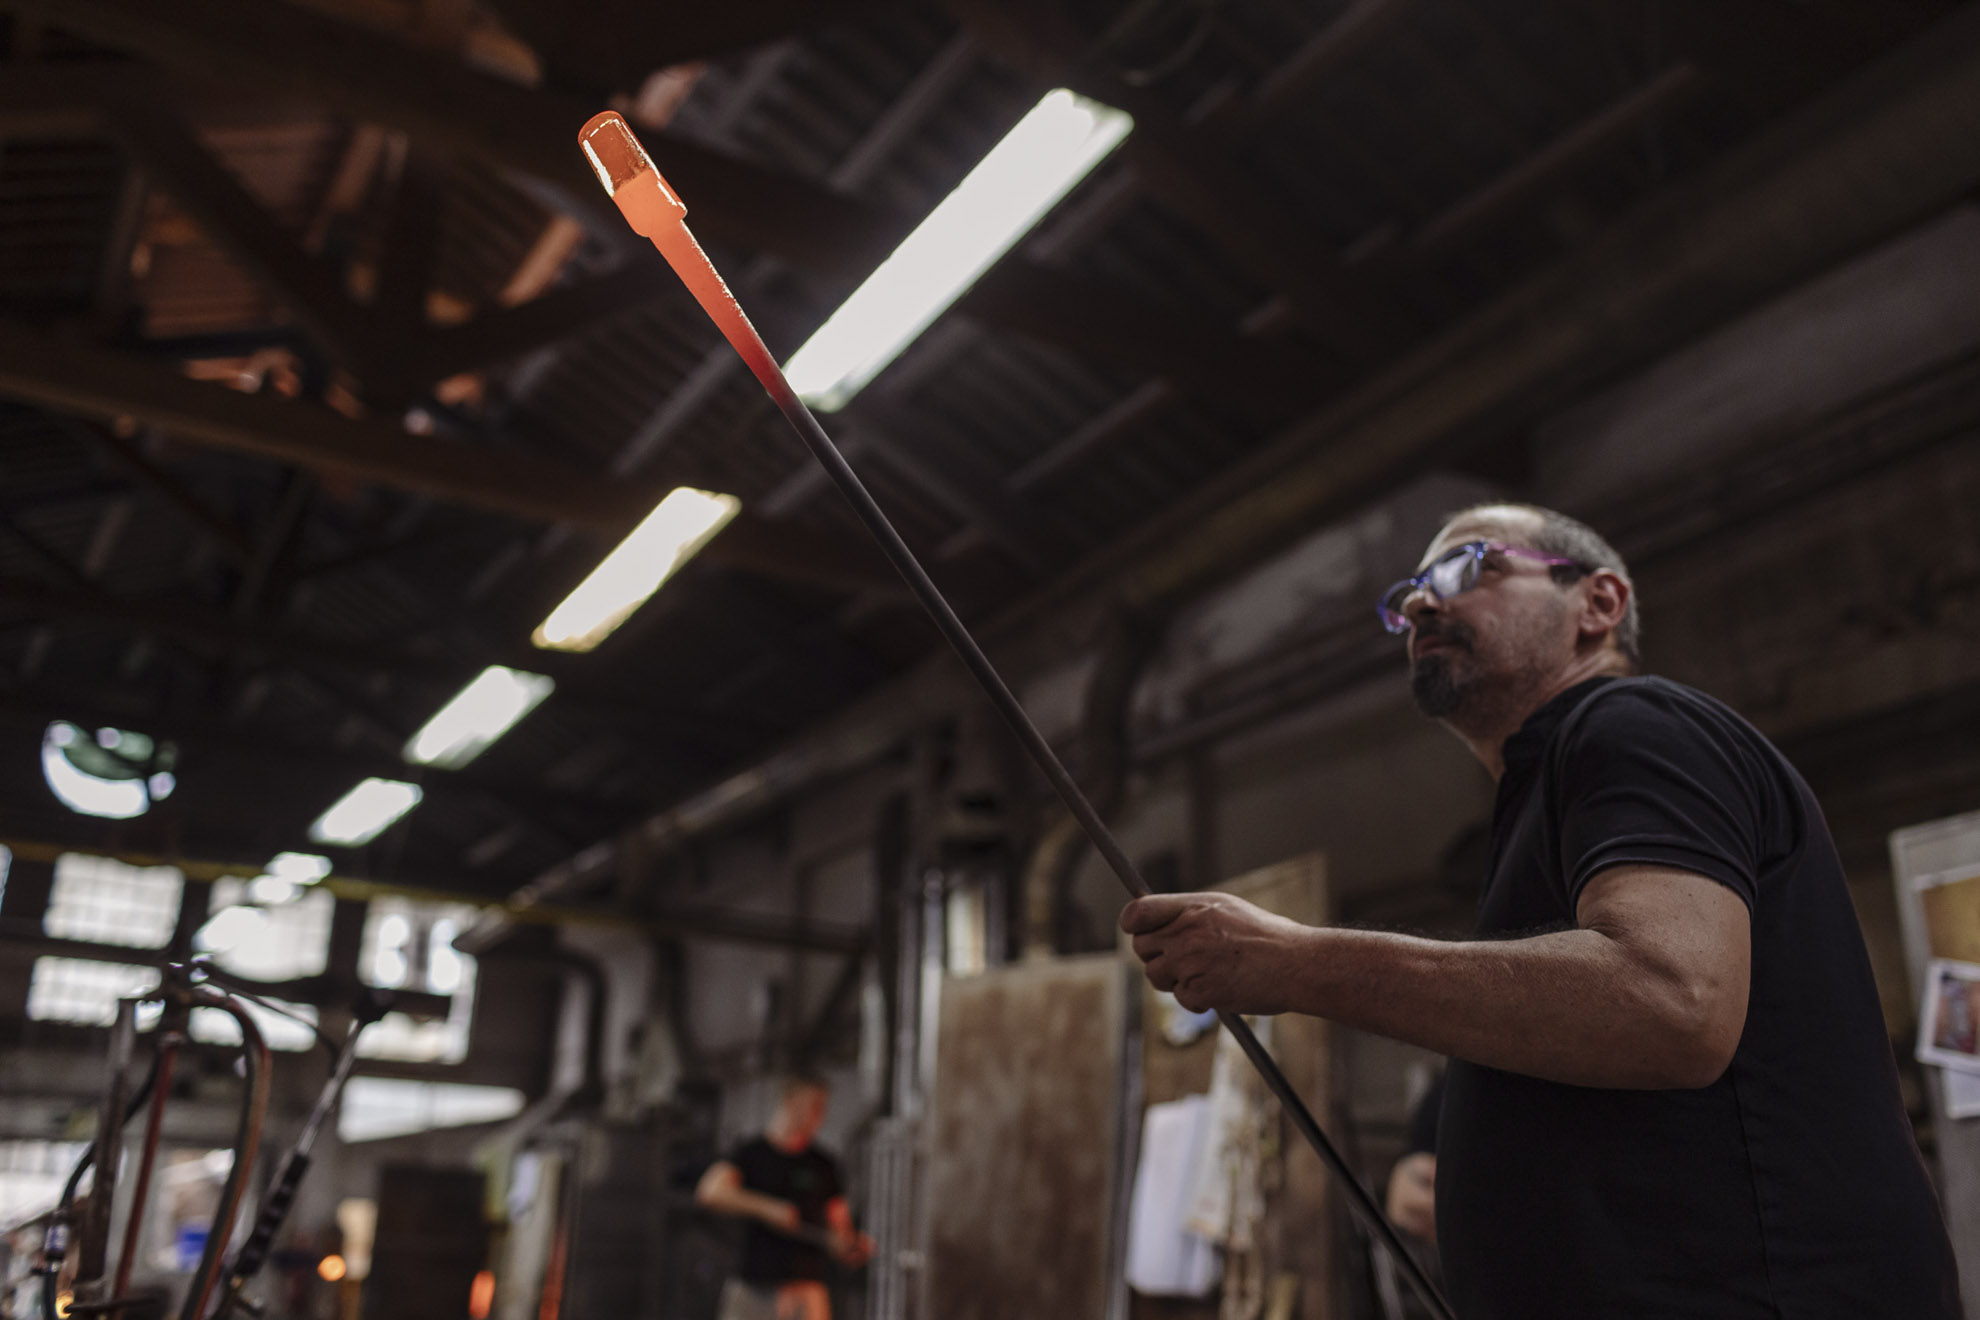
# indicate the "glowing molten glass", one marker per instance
pixel 654 212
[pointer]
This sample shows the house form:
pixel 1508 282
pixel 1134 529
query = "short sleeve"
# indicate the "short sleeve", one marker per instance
pixel 828 1169
pixel 748 1162
pixel 1645 777
pixel 1423 1122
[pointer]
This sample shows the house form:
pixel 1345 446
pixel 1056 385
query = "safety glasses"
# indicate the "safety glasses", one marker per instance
pixel 1454 573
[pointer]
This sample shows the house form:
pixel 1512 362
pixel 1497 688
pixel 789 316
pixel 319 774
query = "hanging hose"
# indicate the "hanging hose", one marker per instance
pixel 247 1141
pixel 160 1083
pixel 371 1006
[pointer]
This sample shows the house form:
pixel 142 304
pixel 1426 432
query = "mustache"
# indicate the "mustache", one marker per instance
pixel 1448 629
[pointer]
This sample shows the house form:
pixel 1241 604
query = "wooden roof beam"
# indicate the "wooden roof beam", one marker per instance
pixel 93 383
pixel 289 53
pixel 181 165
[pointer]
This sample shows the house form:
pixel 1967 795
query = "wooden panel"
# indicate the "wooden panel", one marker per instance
pixel 1022 1140
pixel 1299 1230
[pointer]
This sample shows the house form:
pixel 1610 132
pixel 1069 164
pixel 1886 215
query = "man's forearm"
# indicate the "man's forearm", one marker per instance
pixel 1571 1006
pixel 742 1202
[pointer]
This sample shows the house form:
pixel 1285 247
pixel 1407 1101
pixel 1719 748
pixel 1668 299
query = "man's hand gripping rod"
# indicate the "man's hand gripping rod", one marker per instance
pixel 654 212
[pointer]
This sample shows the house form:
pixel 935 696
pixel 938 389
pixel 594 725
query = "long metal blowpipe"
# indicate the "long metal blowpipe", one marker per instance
pixel 654 212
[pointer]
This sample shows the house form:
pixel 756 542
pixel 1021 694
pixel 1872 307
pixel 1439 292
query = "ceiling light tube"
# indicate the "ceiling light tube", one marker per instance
pixel 1038 162
pixel 480 713
pixel 670 536
pixel 365 812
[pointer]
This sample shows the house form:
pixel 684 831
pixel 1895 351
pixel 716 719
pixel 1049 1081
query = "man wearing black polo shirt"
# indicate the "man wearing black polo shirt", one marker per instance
pixel 796 1223
pixel 1670 1090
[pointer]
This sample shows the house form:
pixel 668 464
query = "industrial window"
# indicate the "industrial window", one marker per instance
pixel 293 939
pixel 108 902
pixel 32 1174
pixel 75 990
pixel 378 1107
pixel 409 945
pixel 280 1033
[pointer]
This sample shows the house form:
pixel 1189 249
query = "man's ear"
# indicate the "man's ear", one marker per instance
pixel 1605 602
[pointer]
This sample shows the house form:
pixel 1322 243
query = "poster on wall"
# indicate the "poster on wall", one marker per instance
pixel 1949 1015
pixel 1950 903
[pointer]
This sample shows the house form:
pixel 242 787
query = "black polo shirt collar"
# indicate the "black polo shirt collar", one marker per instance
pixel 1524 749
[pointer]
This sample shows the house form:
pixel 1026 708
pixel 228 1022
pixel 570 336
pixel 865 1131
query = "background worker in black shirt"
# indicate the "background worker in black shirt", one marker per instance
pixel 1670 1090
pixel 797 1223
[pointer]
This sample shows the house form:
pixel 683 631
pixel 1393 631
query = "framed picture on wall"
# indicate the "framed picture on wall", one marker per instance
pixel 1949 1015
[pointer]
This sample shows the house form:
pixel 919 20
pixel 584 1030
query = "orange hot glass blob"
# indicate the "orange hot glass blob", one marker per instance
pixel 627 173
pixel 712 292
pixel 652 209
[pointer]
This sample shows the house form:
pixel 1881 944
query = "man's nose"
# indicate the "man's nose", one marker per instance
pixel 1419 602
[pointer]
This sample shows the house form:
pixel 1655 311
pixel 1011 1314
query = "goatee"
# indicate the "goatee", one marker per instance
pixel 1434 686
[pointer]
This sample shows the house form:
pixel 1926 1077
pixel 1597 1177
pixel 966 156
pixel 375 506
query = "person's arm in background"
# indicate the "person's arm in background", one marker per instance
pixel 721 1190
pixel 1412 1199
pixel 1412 1192
pixel 849 1245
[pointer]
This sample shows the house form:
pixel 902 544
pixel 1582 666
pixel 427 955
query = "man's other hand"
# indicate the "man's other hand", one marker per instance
pixel 1413 1195
pixel 852 1249
pixel 1217 951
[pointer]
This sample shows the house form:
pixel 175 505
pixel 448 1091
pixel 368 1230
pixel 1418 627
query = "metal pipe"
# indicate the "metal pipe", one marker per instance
pixel 169 1040
pixel 56 1245
pixel 654 211
pixel 93 1235
pixel 282 1188
pixel 247 1143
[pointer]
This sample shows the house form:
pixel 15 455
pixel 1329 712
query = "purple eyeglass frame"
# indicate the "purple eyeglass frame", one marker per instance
pixel 1467 559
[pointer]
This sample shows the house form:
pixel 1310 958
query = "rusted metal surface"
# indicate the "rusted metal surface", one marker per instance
pixel 1021 1153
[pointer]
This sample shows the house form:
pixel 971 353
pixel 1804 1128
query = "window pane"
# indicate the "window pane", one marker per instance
pixel 377 1107
pixel 107 902
pixel 408 945
pixel 295 941
pixel 32 1174
pixel 73 990
pixel 219 1028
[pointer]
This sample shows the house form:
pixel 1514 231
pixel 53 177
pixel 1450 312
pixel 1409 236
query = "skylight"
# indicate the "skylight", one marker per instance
pixel 1038 162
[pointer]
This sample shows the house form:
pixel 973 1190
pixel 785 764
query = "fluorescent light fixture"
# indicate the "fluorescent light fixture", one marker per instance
pixel 1052 148
pixel 302 868
pixel 272 890
pixel 480 713
pixel 365 812
pixel 668 537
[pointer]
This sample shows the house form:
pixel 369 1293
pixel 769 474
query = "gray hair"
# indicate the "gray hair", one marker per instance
pixel 1572 539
